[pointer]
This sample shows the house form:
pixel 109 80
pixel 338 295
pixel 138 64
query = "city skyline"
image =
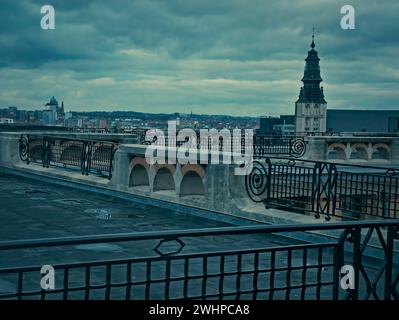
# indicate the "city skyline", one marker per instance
pixel 225 58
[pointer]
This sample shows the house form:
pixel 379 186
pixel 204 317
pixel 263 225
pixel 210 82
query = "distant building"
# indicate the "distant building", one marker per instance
pixel 311 107
pixel 68 115
pixel 73 122
pixel 54 113
pixel 284 129
pixel 50 115
pixel 382 121
pixel 277 125
pixel 6 121
pixel 102 124
pixel 12 112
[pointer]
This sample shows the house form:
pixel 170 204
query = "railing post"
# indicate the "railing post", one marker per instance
pixel 46 152
pixel 290 146
pixel 389 262
pixel 111 158
pixel 89 156
pixel 339 260
pixel 357 260
pixel 315 190
pixel 268 181
pixel 28 149
pixel 83 157
pixel 324 189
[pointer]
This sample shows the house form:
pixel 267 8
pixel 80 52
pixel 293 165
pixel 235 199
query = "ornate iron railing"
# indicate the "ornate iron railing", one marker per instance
pixel 291 146
pixel 325 188
pixel 87 156
pixel 203 264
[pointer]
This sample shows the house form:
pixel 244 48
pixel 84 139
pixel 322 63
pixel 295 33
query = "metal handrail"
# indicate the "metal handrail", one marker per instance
pixel 173 234
pixel 324 188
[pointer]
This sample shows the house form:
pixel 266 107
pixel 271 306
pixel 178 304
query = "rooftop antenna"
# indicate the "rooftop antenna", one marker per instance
pixel 313 45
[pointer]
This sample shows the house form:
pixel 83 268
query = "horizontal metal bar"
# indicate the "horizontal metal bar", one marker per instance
pixel 173 234
pixel 55 137
pixel 338 164
pixel 190 256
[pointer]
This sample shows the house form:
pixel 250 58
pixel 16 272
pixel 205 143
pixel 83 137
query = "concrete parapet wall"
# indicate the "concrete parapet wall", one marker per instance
pixel 354 149
pixel 209 186
pixel 9 150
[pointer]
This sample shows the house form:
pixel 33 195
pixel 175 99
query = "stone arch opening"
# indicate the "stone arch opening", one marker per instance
pixel 192 184
pixel 164 180
pixel 336 153
pixel 358 153
pixel 139 176
pixel 380 153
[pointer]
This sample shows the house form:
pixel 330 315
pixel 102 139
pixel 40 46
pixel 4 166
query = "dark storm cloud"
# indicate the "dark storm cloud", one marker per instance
pixel 226 56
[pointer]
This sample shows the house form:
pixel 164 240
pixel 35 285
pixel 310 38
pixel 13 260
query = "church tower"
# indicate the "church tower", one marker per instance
pixel 311 107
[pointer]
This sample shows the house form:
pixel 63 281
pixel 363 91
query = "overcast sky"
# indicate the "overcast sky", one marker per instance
pixel 237 57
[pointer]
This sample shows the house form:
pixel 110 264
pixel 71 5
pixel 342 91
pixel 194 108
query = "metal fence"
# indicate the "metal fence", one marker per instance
pixel 203 264
pixel 325 188
pixel 87 156
pixel 291 146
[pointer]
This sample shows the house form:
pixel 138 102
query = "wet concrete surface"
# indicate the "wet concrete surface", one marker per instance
pixel 37 210
pixel 31 210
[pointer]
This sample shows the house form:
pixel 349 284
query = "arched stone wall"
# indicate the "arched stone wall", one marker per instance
pixel 139 176
pixel 164 179
pixel 193 167
pixel 139 160
pixel 337 151
pixel 359 152
pixel 170 167
pixel 381 151
pixel 192 184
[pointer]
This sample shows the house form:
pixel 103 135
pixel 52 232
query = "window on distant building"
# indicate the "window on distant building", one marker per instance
pixel 393 125
pixel 307 122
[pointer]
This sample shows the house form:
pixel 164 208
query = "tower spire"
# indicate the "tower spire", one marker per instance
pixel 311 106
pixel 311 91
pixel 313 45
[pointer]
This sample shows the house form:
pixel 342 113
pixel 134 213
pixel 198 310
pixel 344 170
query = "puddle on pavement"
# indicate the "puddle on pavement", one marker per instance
pixel 30 191
pixel 112 213
pixel 72 201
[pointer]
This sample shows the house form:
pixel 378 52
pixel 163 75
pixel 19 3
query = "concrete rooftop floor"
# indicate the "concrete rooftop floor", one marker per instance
pixel 34 210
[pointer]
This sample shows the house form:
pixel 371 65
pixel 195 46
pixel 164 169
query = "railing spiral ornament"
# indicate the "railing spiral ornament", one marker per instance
pixel 24 147
pixel 391 172
pixel 298 147
pixel 257 183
